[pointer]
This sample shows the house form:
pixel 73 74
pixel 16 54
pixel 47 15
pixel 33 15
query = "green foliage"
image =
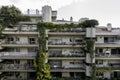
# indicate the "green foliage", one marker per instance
pixel 93 71
pixel 10 15
pixel 103 69
pixel 49 25
pixel 90 46
pixel 42 26
pixel 42 68
pixel 90 50
pixel 89 23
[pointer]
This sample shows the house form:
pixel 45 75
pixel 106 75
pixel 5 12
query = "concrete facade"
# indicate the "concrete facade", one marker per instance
pixel 66 56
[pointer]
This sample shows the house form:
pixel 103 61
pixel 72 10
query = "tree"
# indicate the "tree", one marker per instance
pixel 9 16
pixel 89 23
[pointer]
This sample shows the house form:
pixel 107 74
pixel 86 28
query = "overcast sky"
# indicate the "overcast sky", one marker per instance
pixel 105 11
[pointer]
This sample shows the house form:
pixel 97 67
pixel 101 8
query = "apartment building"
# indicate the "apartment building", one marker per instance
pixel 20 45
pixel 65 49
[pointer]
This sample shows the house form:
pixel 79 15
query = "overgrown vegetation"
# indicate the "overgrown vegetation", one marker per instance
pixel 9 16
pixel 85 24
pixel 90 46
pixel 89 23
pixel 42 68
pixel 42 26
pixel 90 50
pixel 103 69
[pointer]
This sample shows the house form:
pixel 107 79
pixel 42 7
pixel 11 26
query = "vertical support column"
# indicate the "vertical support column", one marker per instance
pixel 46 36
pixel 90 54
pixel 47 14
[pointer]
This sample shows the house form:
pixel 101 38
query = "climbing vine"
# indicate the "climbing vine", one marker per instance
pixel 90 50
pixel 42 68
pixel 90 46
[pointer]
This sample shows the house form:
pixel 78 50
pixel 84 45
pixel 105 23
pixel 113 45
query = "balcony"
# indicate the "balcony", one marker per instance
pixel 64 32
pixel 108 57
pixel 18 44
pixel 17 68
pixel 66 57
pixel 117 45
pixel 17 78
pixel 64 44
pixel 67 69
pixel 108 68
pixel 17 55
pixel 20 33
pixel 109 42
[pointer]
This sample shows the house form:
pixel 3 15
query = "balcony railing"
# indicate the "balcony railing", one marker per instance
pixel 64 43
pixel 67 30
pixel 67 69
pixel 19 29
pixel 112 41
pixel 73 55
pixel 17 54
pixel 108 56
pixel 17 78
pixel 21 43
pixel 110 68
pixel 15 67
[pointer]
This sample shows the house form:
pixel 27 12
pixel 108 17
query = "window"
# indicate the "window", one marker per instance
pixel 32 41
pixel 10 40
pixel 76 62
pixel 17 39
pixel 100 50
pixel 17 49
pixel 105 39
pixel 17 61
pixel 99 74
pixel 30 62
pixel 99 62
pixel 78 40
pixel 32 50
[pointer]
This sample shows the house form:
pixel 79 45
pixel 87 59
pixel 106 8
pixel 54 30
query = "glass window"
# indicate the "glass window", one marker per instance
pixel 32 41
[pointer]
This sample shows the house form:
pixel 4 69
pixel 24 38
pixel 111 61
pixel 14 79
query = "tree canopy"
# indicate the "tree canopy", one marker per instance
pixel 89 23
pixel 10 15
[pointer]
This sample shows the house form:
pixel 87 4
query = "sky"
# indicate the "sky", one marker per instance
pixel 105 11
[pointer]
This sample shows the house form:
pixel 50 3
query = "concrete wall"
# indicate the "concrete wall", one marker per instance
pixel 65 74
pixel 100 39
pixel 90 32
pixel 47 13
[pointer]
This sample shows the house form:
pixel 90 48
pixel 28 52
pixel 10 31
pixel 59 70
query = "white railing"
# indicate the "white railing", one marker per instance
pixel 12 54
pixel 17 67
pixel 64 43
pixel 16 42
pixel 109 56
